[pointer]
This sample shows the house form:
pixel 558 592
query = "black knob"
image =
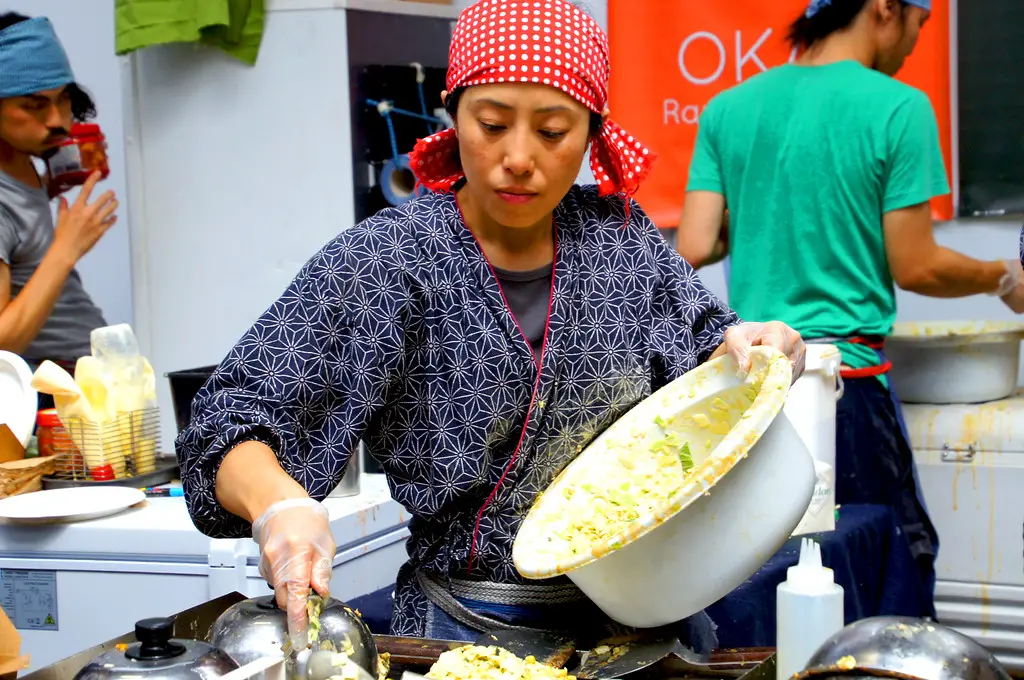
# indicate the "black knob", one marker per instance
pixel 154 636
pixel 267 603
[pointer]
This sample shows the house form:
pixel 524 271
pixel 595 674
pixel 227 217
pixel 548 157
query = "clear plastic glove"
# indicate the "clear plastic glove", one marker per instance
pixel 1011 288
pixel 296 549
pixel 740 338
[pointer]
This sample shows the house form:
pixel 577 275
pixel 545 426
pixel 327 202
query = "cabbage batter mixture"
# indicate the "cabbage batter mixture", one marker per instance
pixel 598 509
pixel 492 663
pixel 639 477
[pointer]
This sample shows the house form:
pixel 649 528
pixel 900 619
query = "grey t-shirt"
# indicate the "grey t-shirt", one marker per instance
pixel 26 233
pixel 528 295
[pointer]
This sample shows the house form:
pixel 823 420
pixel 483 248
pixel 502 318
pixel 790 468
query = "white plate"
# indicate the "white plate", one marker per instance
pixel 18 401
pixel 69 505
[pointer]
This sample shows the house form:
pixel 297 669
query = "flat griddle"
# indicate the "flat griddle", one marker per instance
pixel 413 654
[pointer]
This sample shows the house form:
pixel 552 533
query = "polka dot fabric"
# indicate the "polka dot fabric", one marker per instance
pixel 548 42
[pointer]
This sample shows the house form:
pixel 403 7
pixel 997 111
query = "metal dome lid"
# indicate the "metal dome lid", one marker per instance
pixel 257 627
pixel 898 647
pixel 157 655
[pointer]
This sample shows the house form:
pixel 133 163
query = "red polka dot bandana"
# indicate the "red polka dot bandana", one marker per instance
pixel 550 42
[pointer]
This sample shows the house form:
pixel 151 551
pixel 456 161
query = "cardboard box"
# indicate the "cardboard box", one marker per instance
pixel 10 448
pixel 11 659
pixel 25 476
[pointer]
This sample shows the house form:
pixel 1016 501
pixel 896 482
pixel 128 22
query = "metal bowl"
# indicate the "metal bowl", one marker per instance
pixel 896 647
pixel 929 360
pixel 257 628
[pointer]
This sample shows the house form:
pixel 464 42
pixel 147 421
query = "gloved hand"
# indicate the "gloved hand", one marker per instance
pixel 296 550
pixel 740 338
pixel 1011 288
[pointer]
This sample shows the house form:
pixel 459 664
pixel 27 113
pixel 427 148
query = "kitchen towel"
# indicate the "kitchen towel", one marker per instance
pixel 235 26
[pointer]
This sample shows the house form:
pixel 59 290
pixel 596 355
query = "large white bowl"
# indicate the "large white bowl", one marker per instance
pixel 747 492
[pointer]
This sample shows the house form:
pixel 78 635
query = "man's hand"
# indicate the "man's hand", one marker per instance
pixel 81 225
pixel 1015 298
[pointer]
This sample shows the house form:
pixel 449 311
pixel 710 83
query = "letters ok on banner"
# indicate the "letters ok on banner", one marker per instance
pixel 670 57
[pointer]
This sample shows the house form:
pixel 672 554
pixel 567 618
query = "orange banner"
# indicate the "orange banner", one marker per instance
pixel 670 58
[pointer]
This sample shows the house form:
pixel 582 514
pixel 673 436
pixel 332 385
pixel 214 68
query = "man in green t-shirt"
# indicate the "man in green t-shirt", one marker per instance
pixel 826 167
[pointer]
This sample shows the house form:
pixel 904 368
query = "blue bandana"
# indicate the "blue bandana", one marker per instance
pixel 32 59
pixel 817 5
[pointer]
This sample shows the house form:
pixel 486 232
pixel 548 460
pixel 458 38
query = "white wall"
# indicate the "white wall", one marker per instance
pixel 86 27
pixel 264 182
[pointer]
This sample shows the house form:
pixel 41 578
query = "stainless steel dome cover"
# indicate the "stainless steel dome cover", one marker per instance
pixel 257 628
pixel 157 656
pixel 898 647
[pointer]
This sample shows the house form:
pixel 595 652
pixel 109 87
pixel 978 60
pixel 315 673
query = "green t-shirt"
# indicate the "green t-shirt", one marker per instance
pixel 809 158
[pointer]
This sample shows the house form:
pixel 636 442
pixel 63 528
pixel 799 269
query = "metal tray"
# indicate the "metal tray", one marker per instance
pixel 412 654
pixel 166 470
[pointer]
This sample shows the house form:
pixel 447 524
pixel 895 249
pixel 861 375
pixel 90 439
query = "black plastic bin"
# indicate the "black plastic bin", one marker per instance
pixel 184 387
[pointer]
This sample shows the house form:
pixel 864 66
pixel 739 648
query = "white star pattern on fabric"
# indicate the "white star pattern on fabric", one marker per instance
pixel 396 333
pixel 546 42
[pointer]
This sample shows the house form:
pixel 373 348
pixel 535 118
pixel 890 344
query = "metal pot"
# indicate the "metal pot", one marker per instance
pixel 896 647
pixel 969 362
pixel 258 628
pixel 156 656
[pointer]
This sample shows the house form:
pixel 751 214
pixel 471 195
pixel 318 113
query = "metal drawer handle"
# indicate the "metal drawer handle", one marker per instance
pixel 950 455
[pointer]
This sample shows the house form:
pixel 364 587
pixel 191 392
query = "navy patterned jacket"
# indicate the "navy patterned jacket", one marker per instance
pixel 397 332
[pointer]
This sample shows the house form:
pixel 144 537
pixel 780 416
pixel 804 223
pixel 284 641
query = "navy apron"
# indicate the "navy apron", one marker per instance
pixel 902 441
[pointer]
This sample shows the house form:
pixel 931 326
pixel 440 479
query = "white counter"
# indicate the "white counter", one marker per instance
pixel 100 576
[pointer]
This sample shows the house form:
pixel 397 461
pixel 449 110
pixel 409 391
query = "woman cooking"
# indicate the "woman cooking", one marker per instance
pixel 476 338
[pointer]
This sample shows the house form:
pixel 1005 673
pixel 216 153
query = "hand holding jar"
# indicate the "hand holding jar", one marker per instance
pixel 81 224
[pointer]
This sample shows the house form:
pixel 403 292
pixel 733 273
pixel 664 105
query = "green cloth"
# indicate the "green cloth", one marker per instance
pixel 235 26
pixel 808 159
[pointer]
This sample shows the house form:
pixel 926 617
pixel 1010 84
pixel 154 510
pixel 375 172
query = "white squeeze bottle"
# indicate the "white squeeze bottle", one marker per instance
pixel 808 612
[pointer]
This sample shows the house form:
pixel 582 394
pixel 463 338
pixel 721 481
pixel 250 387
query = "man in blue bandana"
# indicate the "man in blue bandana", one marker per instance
pixel 827 167
pixel 45 312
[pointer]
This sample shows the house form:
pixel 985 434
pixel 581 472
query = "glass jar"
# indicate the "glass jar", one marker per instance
pixel 53 440
pixel 77 157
